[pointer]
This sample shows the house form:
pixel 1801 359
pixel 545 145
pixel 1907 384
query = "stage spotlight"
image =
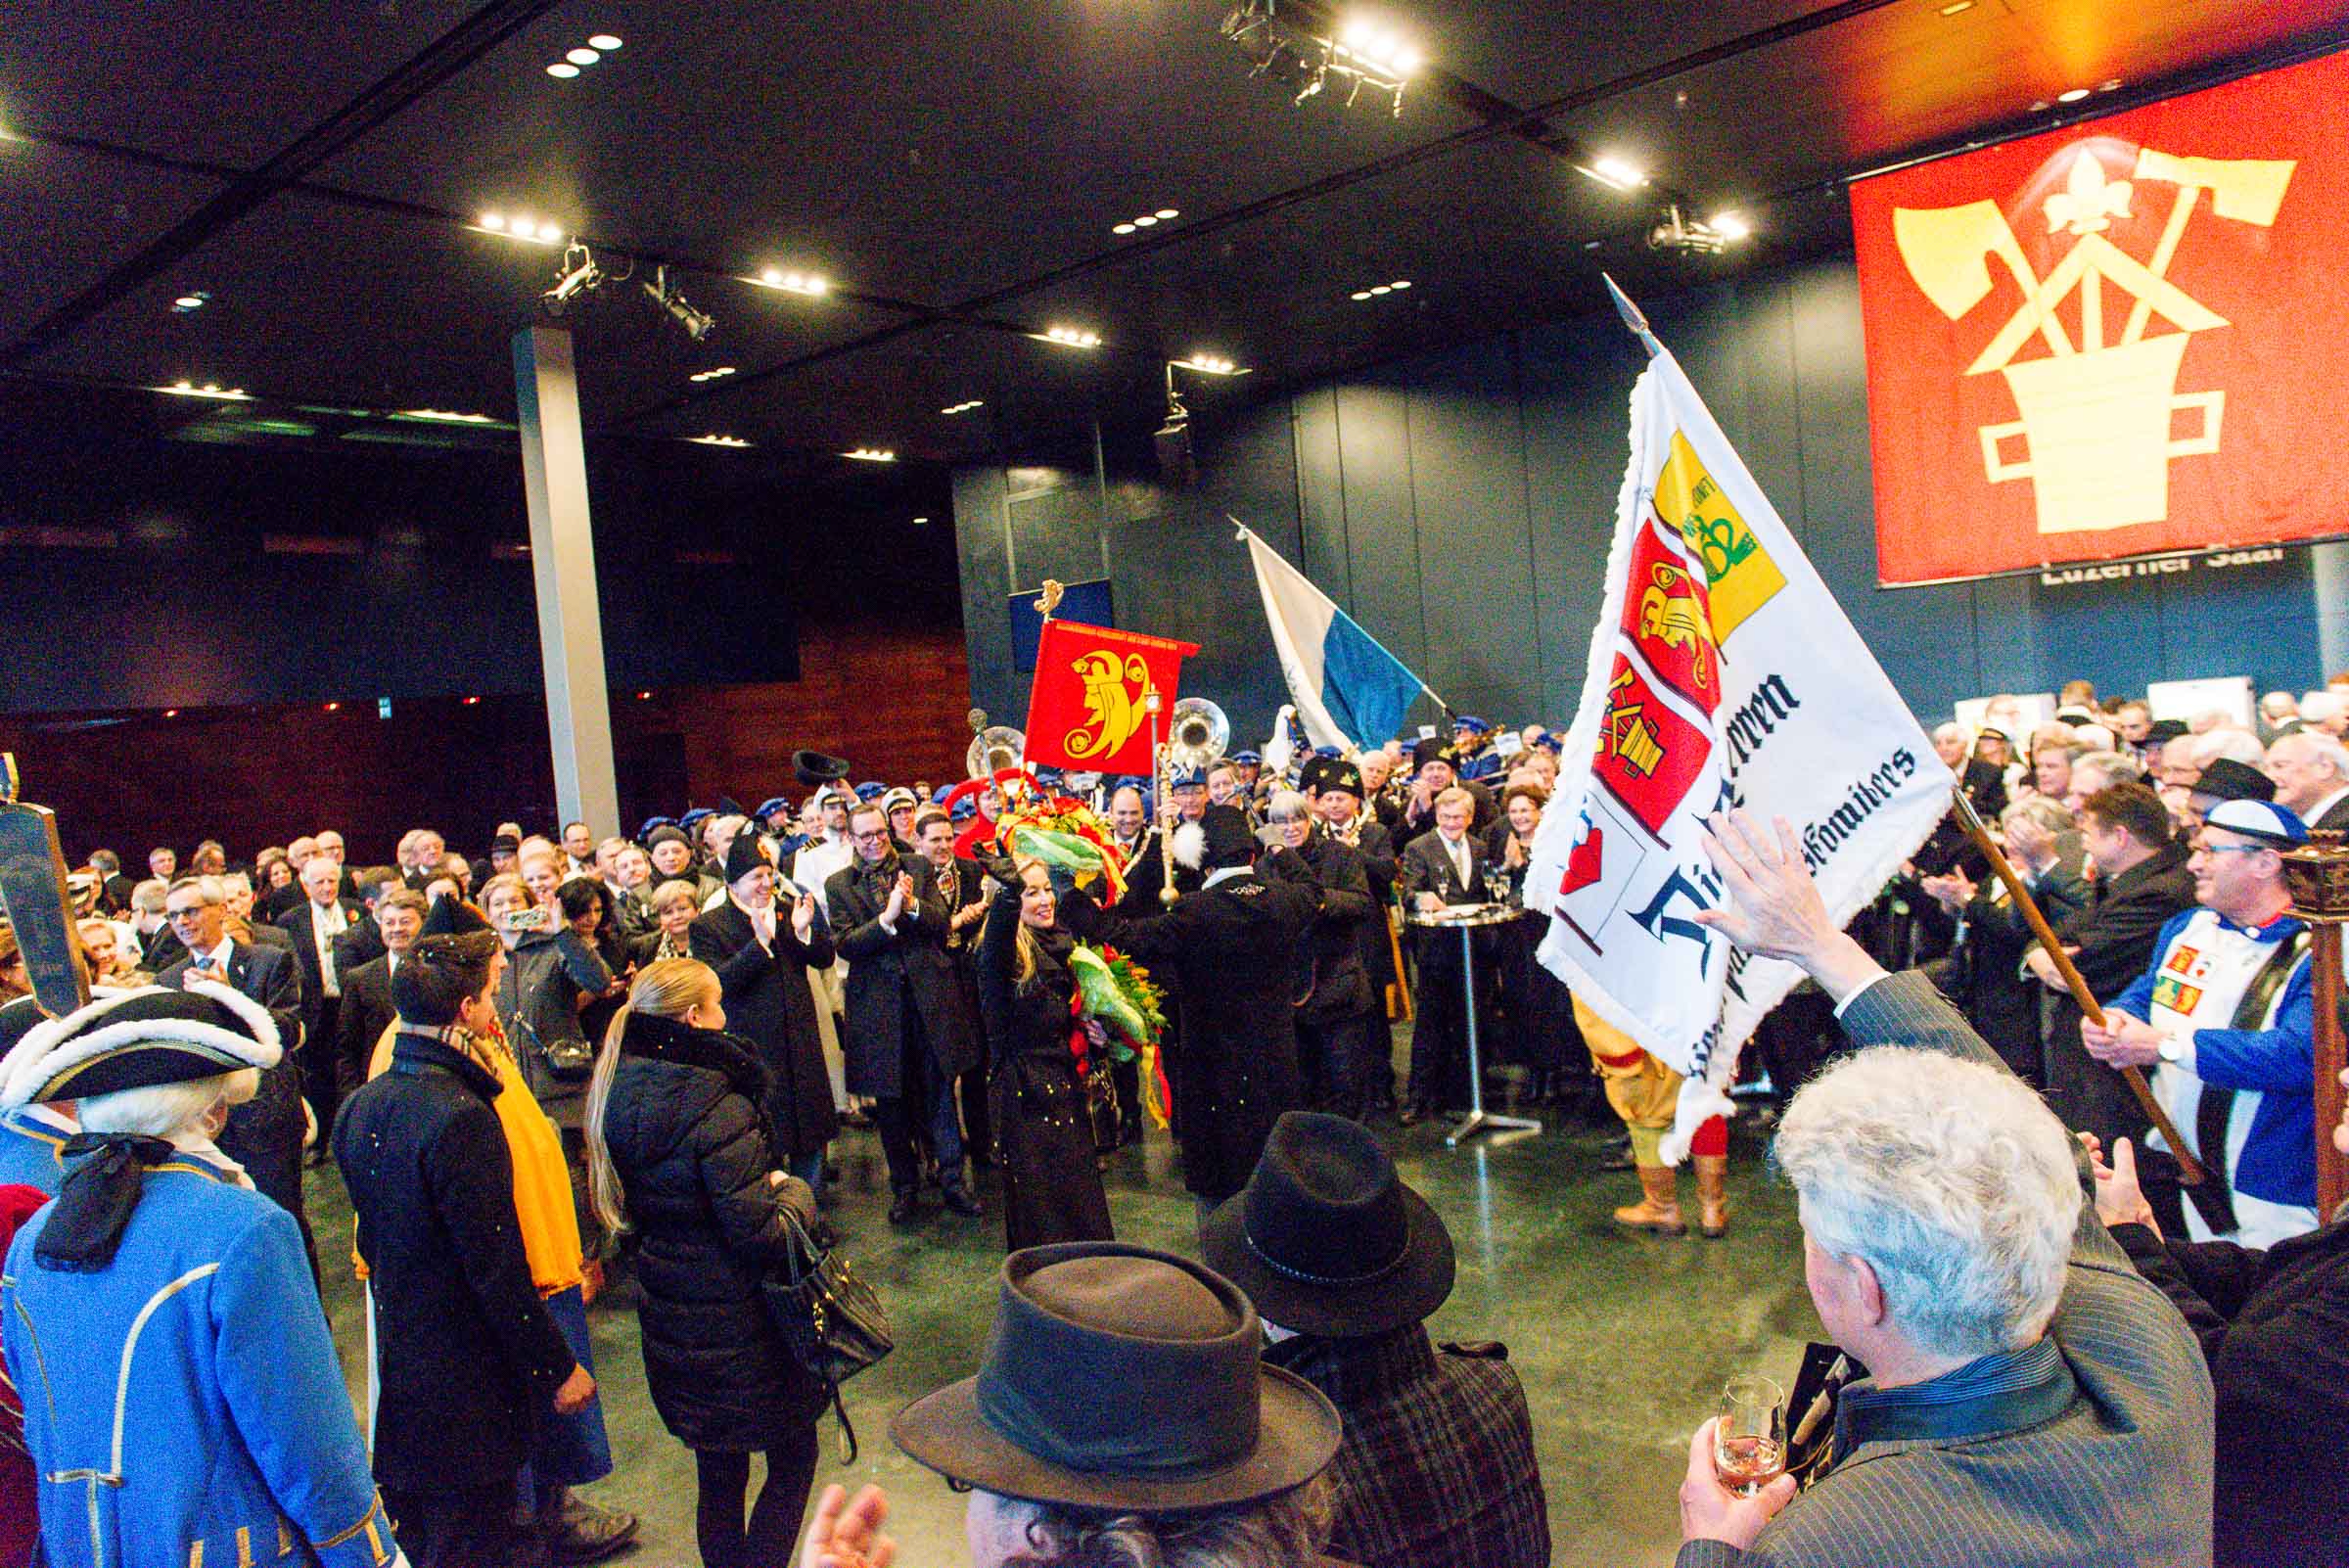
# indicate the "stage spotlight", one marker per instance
pixel 1178 466
pixel 1689 237
pixel 576 274
pixel 698 324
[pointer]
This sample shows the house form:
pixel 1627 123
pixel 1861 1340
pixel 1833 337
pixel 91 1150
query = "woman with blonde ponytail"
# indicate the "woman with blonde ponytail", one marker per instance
pixel 678 1152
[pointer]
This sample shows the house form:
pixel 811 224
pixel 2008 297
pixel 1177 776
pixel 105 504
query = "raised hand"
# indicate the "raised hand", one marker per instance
pixel 848 1535
pixel 1773 907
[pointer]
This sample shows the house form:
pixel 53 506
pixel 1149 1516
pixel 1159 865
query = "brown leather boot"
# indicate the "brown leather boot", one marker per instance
pixel 1713 1195
pixel 1659 1206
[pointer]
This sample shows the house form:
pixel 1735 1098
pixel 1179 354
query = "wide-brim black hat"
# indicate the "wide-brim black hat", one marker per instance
pixel 1325 1238
pixel 816 767
pixel 1122 1379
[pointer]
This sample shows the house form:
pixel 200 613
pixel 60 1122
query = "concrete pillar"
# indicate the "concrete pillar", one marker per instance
pixel 571 632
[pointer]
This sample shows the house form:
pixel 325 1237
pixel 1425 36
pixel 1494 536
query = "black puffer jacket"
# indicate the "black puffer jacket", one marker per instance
pixel 685 1135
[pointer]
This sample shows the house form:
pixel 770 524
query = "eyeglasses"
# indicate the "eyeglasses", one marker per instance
pixel 189 912
pixel 2233 848
pixel 872 837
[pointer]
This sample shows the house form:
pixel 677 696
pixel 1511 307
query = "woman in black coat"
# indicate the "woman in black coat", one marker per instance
pixel 766 983
pixel 679 1153
pixel 1036 1101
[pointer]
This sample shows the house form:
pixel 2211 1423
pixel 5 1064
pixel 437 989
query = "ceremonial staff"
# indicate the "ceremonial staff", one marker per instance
pixel 34 893
pixel 2188 1172
pixel 2317 874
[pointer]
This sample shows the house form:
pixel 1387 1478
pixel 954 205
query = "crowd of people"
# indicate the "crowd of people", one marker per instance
pixel 574 1056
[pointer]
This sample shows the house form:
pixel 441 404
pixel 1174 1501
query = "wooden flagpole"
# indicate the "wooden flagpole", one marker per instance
pixel 2188 1172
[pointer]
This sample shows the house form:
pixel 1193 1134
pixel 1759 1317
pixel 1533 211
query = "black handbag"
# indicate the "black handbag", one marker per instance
pixel 1101 1108
pixel 830 1318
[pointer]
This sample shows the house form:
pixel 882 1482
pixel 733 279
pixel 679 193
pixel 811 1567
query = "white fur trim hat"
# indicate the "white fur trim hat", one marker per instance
pixel 139 1038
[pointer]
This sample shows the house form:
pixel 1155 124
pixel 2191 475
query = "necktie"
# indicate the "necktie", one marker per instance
pixel 327 923
pixel 1459 861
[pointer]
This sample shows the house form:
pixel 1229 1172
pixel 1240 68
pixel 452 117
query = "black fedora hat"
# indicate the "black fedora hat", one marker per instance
pixel 816 767
pixel 1121 1379
pixel 1325 1238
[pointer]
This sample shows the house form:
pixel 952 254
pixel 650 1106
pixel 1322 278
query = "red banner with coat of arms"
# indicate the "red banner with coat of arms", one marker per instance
pixel 1088 709
pixel 2115 338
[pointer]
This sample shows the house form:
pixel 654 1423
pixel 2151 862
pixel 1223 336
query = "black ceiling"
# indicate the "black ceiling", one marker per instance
pixel 955 168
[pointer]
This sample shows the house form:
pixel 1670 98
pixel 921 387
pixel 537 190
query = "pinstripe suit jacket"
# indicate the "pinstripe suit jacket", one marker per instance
pixel 2118 1475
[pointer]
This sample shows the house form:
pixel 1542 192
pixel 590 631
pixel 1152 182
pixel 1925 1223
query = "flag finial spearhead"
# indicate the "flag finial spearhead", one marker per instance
pixel 1633 317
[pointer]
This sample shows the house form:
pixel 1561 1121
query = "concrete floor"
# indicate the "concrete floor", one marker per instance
pixel 1623 1341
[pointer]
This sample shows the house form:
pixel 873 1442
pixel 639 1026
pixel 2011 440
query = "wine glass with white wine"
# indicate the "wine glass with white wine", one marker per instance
pixel 1749 1438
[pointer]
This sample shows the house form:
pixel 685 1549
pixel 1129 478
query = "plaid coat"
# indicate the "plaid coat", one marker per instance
pixel 1437 1467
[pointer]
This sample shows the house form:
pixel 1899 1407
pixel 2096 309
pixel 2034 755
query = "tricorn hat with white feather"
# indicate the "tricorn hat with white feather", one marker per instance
pixel 138 1038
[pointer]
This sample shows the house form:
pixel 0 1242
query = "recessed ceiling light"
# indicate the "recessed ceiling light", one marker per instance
pixel 1211 365
pixel 603 41
pixel 582 56
pixel 191 301
pixel 1399 283
pixel 550 232
pixel 1373 291
pixel 1145 222
pixel 495 222
pixel 919 521
pixel 1121 228
pixel 2110 85
pixel 717 440
pixel 712 375
pixel 563 70
pixel 1382 288
pixel 1167 212
pixel 210 389
pixel 792 282
pixel 871 454
pixel 1068 337
pixel 1359 294
pixel 444 416
pixel 517 226
pixel 2072 96
pixel 1957 6
pixel 964 406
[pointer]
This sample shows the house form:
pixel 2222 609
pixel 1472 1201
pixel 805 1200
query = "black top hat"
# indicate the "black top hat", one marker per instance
pixel 1325 1238
pixel 816 767
pixel 1124 1379
pixel 2226 779
pixel 746 854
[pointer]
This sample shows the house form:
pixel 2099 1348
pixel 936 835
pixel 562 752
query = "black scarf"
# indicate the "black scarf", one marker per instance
pixel 99 1190
pixel 653 1038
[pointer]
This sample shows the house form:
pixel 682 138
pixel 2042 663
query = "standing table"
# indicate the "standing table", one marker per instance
pixel 1467 919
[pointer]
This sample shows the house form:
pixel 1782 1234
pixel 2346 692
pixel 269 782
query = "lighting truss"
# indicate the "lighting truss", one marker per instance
pixel 1362 56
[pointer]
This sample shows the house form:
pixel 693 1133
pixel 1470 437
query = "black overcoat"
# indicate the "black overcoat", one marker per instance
pixel 1234 949
pixel 769 1004
pixel 887 970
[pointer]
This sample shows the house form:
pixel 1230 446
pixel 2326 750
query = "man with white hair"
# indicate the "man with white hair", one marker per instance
pixel 2327 711
pixel 2029 1399
pixel 2276 711
pixel 2310 771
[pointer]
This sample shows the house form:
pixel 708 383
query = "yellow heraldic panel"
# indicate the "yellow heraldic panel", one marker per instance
pixel 1739 576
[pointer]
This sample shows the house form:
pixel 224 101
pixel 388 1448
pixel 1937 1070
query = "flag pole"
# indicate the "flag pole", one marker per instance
pixel 2188 1172
pixel 1246 533
pixel 1633 317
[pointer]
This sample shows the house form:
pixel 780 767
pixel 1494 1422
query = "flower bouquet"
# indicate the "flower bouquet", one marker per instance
pixel 1119 993
pixel 1066 834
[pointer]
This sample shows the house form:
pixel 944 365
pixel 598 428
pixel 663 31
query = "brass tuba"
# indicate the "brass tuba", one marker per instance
pixel 994 747
pixel 1197 734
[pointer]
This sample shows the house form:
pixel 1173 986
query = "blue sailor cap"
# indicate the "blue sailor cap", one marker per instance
pixel 1471 721
pixel 768 808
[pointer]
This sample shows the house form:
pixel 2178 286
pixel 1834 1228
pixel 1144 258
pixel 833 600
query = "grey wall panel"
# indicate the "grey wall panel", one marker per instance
pixel 1321 495
pixel 1475 549
pixel 1374 448
pixel 1577 382
pixel 979 512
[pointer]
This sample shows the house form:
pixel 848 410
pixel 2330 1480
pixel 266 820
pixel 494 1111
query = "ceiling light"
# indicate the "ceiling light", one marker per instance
pixel 603 41
pixel 1068 337
pixel 210 389
pixel 1145 222
pixel 445 416
pixel 1400 284
pixel 792 282
pixel 1615 174
pixel 1731 226
pixel 1675 232
pixel 188 304
pixel 712 375
pixel 1359 294
pixel 1283 48
pixel 519 226
pixel 919 521
pixel 964 406
pixel 2073 96
pixel 1121 228
pixel 717 440
pixel 1211 365
pixel 1957 6
pixel 871 454
pixel 582 56
pixel 2110 85
pixel 563 70
pixel 1167 212
pixel 697 323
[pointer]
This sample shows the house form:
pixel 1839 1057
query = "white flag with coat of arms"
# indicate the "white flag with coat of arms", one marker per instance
pixel 1722 673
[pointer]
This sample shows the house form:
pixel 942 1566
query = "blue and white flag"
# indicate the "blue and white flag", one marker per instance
pixel 1349 690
